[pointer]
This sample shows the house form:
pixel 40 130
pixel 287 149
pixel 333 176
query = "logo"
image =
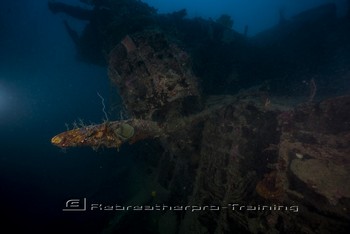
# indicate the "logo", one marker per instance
pixel 81 204
pixel 75 205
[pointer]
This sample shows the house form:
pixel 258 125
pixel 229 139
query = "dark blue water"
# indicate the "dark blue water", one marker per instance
pixel 42 87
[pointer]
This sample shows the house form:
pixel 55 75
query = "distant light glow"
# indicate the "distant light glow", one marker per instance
pixel 11 104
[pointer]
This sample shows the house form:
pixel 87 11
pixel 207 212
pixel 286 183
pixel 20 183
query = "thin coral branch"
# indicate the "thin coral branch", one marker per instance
pixel 103 107
pixel 313 89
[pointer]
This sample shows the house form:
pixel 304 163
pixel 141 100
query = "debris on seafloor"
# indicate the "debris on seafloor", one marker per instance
pixel 321 134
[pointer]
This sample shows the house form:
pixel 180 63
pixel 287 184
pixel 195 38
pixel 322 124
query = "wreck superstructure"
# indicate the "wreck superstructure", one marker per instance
pixel 221 150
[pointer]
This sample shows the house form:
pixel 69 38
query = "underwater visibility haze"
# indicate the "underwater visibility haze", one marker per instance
pixel 153 116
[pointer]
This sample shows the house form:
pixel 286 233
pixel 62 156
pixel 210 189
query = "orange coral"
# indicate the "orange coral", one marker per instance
pixel 93 135
pixel 109 134
pixel 268 187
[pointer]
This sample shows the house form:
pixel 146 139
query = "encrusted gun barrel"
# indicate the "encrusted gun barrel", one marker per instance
pixel 109 134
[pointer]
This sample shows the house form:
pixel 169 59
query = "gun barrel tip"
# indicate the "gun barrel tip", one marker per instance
pixel 56 140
